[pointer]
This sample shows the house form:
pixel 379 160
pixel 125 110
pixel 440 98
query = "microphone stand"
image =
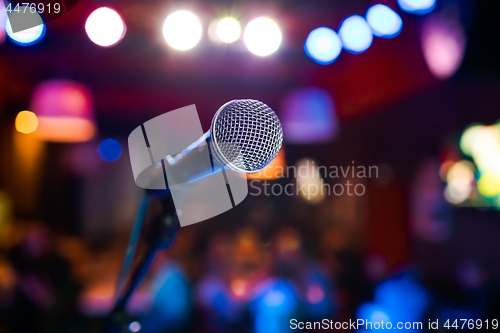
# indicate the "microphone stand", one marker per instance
pixel 161 235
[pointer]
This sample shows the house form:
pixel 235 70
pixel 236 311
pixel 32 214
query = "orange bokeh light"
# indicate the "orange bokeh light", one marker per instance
pixel 26 122
pixel 276 169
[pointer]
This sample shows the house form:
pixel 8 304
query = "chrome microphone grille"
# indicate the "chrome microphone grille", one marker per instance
pixel 246 135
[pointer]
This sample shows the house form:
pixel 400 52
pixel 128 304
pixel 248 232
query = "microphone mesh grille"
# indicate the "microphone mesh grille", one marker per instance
pixel 247 135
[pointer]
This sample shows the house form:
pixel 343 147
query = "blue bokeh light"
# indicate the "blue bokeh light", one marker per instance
pixel 388 297
pixel 274 307
pixel 110 150
pixel 356 34
pixel 323 45
pixel 384 21
pixel 420 7
pixel 28 36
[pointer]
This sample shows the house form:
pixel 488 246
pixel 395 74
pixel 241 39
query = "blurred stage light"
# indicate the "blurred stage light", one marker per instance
pixel 443 45
pixel 182 30
pixel 105 27
pixel 262 36
pixel 323 45
pixel 26 122
pixel 384 21
pixel 228 30
pixel 110 150
pixel 29 36
pixel 64 111
pixel 420 7
pixel 309 116
pixel 355 34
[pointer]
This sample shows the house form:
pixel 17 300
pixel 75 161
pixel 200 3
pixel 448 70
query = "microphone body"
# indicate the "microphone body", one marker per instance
pixel 245 136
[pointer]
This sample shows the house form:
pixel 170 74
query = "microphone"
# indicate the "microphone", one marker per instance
pixel 245 134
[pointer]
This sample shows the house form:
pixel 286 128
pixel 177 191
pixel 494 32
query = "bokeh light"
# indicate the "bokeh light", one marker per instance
pixel 309 116
pixel 384 21
pixel 228 30
pixel 420 7
pixel 105 27
pixel 29 36
pixel 110 150
pixel 134 326
pixel 355 34
pixel 443 45
pixel 467 139
pixel 26 122
pixel 323 45
pixel 182 30
pixel 310 182
pixel 489 184
pixel 262 36
pixel 460 179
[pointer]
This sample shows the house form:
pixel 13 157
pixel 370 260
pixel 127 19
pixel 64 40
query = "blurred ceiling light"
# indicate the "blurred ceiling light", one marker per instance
pixel 323 45
pixel 309 181
pixel 28 36
pixel 309 116
pixel 355 34
pixel 443 45
pixel 420 7
pixel 182 30
pixel 262 36
pixel 26 122
pixel 384 21
pixel 228 30
pixel 110 150
pixel 64 111
pixel 489 184
pixel 105 27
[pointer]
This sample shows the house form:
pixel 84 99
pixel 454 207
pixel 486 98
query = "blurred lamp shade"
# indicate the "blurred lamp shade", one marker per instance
pixel 443 45
pixel 64 111
pixel 309 116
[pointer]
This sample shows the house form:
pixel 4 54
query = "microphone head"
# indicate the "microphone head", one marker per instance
pixel 246 135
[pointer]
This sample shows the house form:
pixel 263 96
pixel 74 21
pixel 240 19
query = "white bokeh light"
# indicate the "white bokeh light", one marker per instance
pixel 262 36
pixel 105 27
pixel 28 36
pixel 384 21
pixel 182 30
pixel 356 34
pixel 420 7
pixel 228 30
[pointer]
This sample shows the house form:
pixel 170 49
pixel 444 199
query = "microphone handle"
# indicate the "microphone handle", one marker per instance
pixel 173 160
